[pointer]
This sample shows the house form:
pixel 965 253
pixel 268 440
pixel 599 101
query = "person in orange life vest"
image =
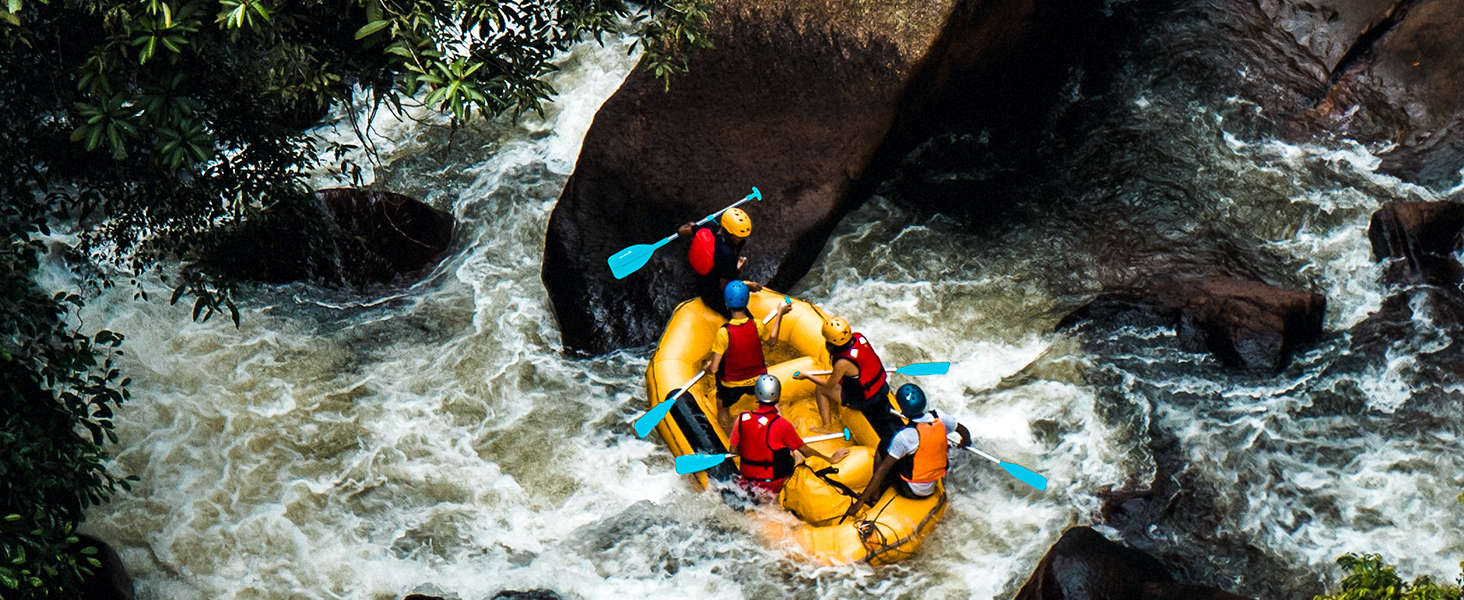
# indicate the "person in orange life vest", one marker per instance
pixel 766 441
pixel 858 381
pixel 737 354
pixel 918 453
pixel 728 238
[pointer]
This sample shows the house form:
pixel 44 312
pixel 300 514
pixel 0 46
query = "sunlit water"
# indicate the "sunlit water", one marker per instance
pixel 438 440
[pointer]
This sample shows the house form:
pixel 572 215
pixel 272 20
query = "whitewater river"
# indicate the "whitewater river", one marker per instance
pixel 437 440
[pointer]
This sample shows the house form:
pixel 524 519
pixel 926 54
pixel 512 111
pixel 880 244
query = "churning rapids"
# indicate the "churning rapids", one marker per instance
pixel 335 448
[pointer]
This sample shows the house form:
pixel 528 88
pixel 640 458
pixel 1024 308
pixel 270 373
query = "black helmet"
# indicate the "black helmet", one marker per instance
pixel 911 400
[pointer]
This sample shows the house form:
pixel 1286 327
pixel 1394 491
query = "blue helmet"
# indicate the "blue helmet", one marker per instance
pixel 911 400
pixel 736 294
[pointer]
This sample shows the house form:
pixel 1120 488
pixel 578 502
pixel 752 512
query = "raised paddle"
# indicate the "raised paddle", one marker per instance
pixel 916 369
pixel 1020 472
pixel 631 259
pixel 692 463
pixel 646 422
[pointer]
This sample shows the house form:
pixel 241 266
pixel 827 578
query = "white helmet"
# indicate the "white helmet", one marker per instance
pixel 767 389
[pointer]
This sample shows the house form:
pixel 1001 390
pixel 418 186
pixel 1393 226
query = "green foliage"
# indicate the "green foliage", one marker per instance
pixel 58 389
pixel 1369 578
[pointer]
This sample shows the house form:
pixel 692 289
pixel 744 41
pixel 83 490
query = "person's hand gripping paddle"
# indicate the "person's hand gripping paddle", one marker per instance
pixel 631 259
pixel 691 463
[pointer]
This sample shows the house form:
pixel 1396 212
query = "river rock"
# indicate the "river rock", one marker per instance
pixel 1084 565
pixel 1420 239
pixel 1387 73
pixel 409 235
pixel 346 237
pixel 804 99
pixel 1246 324
pixel 111 581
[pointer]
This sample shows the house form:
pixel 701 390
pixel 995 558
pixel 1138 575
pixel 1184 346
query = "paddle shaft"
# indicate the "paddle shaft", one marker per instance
pixel 769 318
pixel 897 369
pixel 692 463
pixel 712 216
pixel 648 421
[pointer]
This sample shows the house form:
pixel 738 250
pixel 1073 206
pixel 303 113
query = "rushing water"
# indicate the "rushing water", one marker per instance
pixel 438 440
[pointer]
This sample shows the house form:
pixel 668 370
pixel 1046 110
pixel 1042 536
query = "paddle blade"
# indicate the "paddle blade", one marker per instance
pixel 691 463
pixel 930 368
pixel 1026 475
pixel 646 422
pixel 631 259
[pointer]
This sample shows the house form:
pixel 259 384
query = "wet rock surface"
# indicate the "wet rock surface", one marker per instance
pixel 1246 324
pixel 347 238
pixel 109 582
pixel 1419 240
pixel 1084 565
pixel 800 98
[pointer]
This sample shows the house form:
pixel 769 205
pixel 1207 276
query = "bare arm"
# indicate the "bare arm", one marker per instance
pixel 965 434
pixel 842 369
pixel 778 320
pixel 880 472
pixel 838 454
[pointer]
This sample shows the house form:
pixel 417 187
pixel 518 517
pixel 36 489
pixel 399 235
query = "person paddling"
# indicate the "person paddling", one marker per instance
pixel 918 452
pixel 737 352
pixel 766 441
pixel 716 256
pixel 858 381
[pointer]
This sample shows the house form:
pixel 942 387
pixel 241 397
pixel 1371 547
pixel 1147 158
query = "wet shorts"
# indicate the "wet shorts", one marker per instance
pixel 730 395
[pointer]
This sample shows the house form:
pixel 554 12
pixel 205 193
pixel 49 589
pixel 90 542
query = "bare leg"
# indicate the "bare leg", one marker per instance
pixel 826 422
pixel 724 418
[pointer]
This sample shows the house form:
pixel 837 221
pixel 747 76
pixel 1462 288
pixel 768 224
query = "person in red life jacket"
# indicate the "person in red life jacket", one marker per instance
pixel 858 381
pixel 917 453
pixel 737 353
pixel 766 441
pixel 716 256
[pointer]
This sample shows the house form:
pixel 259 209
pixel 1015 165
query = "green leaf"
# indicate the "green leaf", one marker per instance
pixel 371 28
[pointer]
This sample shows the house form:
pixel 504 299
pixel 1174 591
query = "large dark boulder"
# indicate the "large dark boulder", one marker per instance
pixel 346 237
pixel 1084 565
pixel 109 582
pixel 407 234
pixel 1386 72
pixel 800 98
pixel 1419 240
pixel 1246 324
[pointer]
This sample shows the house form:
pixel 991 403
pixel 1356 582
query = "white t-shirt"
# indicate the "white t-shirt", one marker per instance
pixel 908 440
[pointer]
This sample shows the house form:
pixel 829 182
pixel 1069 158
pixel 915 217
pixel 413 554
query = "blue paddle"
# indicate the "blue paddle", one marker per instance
pixel 916 369
pixel 646 422
pixel 691 463
pixel 1020 472
pixel 631 259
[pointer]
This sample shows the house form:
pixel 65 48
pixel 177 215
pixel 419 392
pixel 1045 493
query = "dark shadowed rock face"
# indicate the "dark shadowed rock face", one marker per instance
pixel 1387 71
pixel 1419 238
pixel 407 234
pixel 346 238
pixel 1246 324
pixel 798 98
pixel 111 581
pixel 1084 565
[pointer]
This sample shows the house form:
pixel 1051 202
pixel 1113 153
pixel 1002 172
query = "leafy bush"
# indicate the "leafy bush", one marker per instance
pixel 57 392
pixel 1369 578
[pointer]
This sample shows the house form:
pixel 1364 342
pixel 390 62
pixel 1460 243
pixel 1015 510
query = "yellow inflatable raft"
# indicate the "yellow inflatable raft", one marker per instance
pixel 890 530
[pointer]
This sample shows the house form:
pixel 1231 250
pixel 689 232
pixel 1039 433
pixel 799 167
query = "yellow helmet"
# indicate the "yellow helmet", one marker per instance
pixel 836 331
pixel 736 222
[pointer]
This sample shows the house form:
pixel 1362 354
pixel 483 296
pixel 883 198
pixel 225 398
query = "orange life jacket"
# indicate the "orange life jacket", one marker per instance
pixel 871 377
pixel 930 459
pixel 744 357
pixel 754 443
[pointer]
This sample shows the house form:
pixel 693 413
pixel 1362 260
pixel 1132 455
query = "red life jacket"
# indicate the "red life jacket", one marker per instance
pixel 703 251
pixel 744 357
pixel 931 457
pixel 759 460
pixel 871 378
